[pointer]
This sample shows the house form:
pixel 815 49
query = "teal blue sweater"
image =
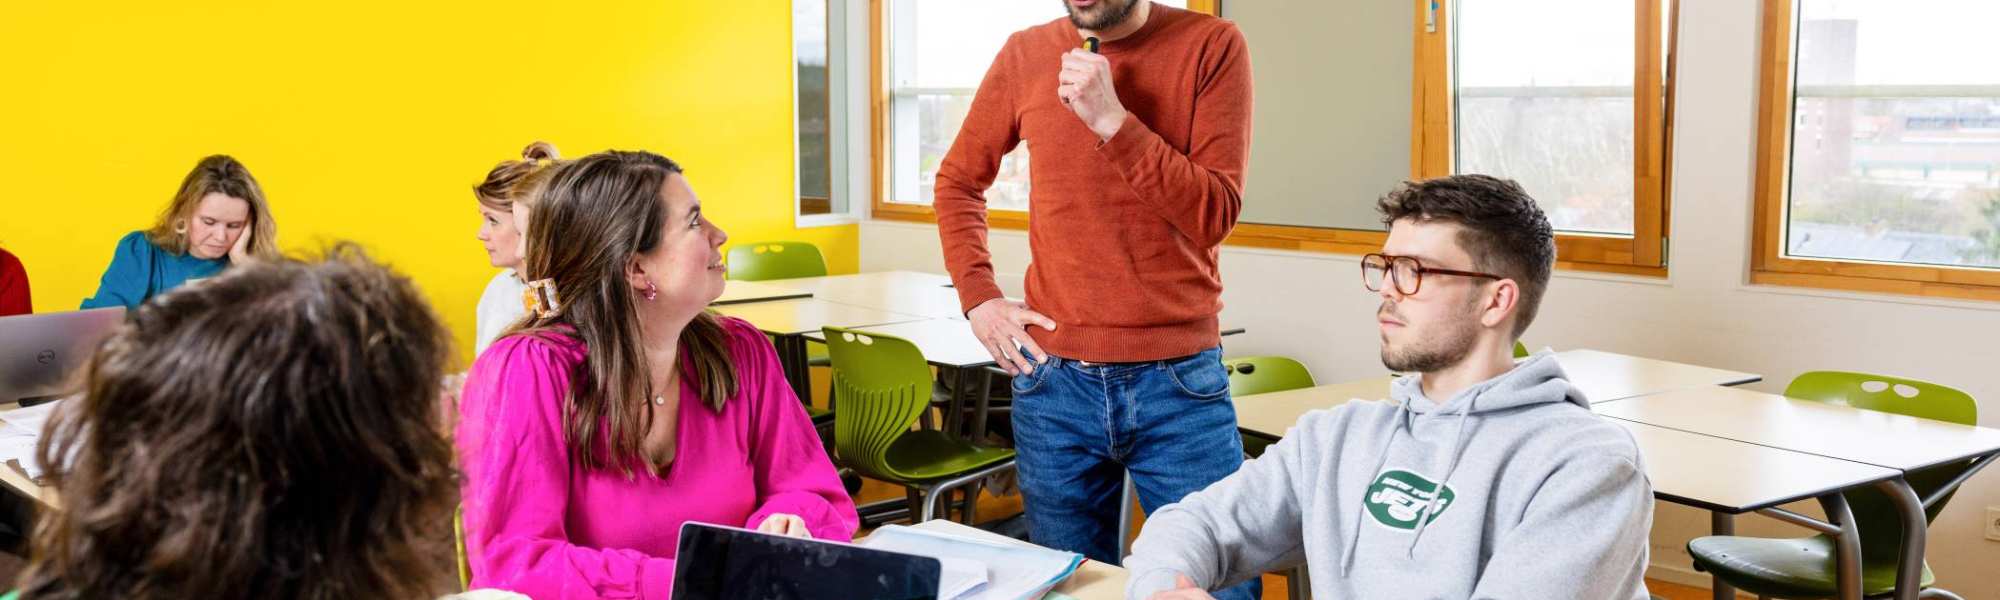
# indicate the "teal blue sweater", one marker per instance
pixel 141 270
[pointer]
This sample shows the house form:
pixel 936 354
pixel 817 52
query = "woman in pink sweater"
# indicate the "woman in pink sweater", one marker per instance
pixel 622 408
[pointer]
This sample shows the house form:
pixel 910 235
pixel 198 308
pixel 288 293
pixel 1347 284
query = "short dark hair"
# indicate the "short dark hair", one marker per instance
pixel 1504 230
pixel 273 432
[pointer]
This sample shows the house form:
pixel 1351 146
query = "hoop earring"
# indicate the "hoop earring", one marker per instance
pixel 181 228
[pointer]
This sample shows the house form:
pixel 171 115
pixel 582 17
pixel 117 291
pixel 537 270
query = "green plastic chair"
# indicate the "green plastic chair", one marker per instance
pixel 1521 350
pixel 775 260
pixel 763 261
pixel 884 384
pixel 1260 374
pixel 1804 567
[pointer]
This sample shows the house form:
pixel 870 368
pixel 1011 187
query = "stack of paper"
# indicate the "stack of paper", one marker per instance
pixel 979 569
pixel 17 437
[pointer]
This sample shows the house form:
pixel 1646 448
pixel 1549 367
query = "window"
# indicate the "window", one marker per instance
pixel 1879 149
pixel 932 54
pixel 813 104
pixel 1567 97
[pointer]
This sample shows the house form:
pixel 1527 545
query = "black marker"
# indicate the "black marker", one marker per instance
pixel 1090 43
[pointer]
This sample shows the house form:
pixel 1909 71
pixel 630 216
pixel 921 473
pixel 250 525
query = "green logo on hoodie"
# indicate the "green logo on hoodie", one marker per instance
pixel 1398 498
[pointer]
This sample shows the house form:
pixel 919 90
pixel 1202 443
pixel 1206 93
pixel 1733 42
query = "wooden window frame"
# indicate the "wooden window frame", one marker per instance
pixel 809 206
pixel 1641 254
pixel 1769 264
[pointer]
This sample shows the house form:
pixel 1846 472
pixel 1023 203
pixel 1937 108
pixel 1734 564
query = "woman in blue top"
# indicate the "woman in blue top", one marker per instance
pixel 218 218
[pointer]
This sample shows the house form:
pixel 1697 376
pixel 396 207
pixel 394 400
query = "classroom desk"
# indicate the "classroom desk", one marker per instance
pixel 1681 465
pixel 907 292
pixel 1869 437
pixel 1092 581
pixel 788 320
pixel 1609 376
pixel 738 292
pixel 1603 376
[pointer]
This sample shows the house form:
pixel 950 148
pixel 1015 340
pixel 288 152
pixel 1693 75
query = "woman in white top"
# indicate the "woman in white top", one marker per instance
pixel 508 183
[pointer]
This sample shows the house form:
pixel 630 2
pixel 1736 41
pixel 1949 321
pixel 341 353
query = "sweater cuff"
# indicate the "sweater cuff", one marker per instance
pixel 1144 585
pixel 1125 147
pixel 974 292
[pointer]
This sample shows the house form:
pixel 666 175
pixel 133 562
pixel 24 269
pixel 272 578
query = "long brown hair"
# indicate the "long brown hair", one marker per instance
pixel 270 433
pixel 595 215
pixel 216 174
pixel 509 179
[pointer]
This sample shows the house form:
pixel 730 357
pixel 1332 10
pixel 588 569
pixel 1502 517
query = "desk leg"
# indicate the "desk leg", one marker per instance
pixel 1721 524
pixel 1910 566
pixel 954 409
pixel 1847 547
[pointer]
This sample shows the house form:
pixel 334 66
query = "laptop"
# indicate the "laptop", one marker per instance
pixel 40 354
pixel 727 563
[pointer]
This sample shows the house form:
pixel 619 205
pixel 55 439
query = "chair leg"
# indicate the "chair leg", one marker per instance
pixel 919 503
pixel 965 508
pixel 942 489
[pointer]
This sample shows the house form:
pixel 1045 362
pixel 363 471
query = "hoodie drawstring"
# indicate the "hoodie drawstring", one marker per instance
pixel 1437 494
pixel 1361 508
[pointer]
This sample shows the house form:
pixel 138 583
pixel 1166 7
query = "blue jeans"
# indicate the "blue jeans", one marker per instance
pixel 1080 426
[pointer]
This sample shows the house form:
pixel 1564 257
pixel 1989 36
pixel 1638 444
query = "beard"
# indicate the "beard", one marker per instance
pixel 1445 345
pixel 1102 15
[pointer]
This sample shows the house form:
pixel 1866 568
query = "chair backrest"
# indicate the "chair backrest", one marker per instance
pixel 1874 515
pixel 883 383
pixel 1521 349
pixel 1260 374
pixel 775 260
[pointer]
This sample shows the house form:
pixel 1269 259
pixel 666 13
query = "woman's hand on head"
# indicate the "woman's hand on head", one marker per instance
pixel 239 252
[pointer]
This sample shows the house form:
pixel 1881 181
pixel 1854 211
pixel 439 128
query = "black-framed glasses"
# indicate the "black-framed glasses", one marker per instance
pixel 1406 272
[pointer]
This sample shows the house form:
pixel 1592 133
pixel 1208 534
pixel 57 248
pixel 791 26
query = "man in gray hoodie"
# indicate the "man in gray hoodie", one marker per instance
pixel 1479 478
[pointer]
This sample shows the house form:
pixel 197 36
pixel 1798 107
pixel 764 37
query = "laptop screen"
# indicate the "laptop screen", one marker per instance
pixel 726 563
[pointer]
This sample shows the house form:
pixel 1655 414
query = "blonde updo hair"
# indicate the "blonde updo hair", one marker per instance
pixel 510 180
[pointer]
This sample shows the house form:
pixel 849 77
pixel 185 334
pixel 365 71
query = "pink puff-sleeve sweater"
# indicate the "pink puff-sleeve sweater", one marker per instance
pixel 537 525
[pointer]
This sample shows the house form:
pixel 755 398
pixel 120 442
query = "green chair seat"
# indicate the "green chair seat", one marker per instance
pixel 925 455
pixel 1788 568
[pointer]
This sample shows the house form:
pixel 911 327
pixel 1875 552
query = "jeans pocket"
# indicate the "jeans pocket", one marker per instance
pixel 1027 383
pixel 1201 377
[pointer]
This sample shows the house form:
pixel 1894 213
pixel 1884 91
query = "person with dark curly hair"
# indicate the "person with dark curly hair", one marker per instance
pixel 272 432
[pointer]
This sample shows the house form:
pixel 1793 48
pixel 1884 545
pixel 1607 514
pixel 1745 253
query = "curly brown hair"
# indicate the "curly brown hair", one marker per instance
pixel 268 433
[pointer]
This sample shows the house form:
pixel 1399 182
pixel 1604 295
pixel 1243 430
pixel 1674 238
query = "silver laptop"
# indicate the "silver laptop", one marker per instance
pixel 41 354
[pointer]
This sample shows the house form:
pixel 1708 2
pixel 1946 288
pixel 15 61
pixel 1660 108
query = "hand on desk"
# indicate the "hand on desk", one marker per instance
pixel 1184 589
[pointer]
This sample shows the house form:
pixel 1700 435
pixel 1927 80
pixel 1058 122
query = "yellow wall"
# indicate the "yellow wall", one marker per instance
pixel 370 120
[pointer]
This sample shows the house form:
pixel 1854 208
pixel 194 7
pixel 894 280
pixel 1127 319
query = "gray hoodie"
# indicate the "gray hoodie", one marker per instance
pixel 1542 499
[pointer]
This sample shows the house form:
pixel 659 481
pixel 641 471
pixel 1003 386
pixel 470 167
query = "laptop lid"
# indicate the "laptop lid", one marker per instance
pixel 41 354
pixel 727 563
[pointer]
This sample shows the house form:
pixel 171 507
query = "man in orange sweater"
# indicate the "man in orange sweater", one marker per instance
pixel 1137 154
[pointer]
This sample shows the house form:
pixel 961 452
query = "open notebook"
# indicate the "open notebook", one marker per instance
pixel 978 569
